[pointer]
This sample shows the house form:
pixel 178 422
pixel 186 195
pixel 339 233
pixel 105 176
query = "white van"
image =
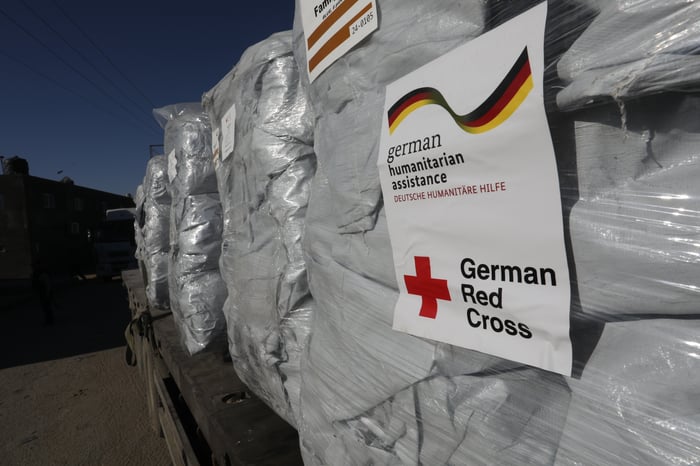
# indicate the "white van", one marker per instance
pixel 115 244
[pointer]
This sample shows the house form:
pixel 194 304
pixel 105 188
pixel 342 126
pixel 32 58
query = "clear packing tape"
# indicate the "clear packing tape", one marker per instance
pixel 197 290
pixel 620 92
pixel 155 230
pixel 264 185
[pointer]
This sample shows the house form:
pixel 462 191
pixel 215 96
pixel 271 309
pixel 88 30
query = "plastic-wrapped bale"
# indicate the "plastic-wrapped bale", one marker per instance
pixel 638 400
pixel 374 396
pixel 139 216
pixel 156 231
pixel 195 277
pixel 264 187
pixel 635 228
pixel 371 395
pixel 197 290
pixel 635 232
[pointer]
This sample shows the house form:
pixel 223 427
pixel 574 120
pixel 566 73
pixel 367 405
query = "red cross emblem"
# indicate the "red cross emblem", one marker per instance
pixel 428 288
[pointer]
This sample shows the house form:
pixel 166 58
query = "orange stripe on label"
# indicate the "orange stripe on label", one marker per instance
pixel 329 21
pixel 336 40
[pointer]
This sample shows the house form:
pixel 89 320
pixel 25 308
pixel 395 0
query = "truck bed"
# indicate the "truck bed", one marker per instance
pixel 198 403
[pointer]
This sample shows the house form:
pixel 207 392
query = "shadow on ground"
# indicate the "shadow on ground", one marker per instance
pixel 90 315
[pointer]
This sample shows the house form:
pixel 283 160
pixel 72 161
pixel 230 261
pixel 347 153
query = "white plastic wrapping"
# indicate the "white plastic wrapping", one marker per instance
pixel 635 228
pixel 139 198
pixel 634 233
pixel 353 89
pixel 371 395
pixel 632 48
pixel 638 400
pixel 156 231
pixel 197 291
pixel 375 396
pixel 264 187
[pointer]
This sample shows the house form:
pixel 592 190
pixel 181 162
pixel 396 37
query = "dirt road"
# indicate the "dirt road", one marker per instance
pixel 66 395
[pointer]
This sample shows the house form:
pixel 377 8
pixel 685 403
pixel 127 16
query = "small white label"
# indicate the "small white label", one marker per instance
pixel 333 27
pixel 228 132
pixel 216 152
pixel 172 166
pixel 471 190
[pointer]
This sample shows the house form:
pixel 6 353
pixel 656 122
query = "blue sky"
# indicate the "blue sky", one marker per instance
pixel 65 107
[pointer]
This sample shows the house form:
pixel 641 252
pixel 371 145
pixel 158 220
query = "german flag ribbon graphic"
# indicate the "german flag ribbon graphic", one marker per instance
pixel 496 109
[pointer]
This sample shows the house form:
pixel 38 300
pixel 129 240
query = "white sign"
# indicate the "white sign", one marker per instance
pixel 472 198
pixel 332 27
pixel 172 166
pixel 228 132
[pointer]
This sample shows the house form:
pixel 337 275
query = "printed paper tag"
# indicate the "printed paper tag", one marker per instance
pixel 216 152
pixel 472 199
pixel 228 132
pixel 172 166
pixel 332 27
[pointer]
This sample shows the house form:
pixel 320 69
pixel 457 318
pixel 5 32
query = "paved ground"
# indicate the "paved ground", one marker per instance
pixel 66 395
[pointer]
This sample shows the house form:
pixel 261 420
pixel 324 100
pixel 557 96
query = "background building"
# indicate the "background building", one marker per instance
pixel 52 222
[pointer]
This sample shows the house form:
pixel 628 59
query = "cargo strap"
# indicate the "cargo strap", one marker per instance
pixel 141 325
